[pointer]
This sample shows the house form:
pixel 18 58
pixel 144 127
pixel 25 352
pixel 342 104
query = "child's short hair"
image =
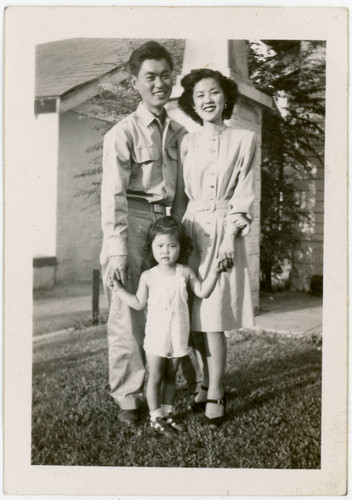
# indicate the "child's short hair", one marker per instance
pixel 149 50
pixel 167 225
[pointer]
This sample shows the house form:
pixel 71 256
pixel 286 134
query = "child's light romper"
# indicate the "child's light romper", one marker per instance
pixel 167 326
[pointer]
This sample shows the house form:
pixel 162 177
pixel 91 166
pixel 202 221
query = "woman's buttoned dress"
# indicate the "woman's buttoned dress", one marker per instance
pixel 219 183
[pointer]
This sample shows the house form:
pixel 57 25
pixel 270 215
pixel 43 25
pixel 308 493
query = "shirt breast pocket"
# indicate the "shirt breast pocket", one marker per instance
pixel 144 160
pixel 172 152
pixel 145 154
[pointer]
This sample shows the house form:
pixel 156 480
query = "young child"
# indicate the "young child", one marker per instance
pixel 163 288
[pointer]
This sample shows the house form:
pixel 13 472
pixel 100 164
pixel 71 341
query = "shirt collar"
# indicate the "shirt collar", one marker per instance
pixel 147 117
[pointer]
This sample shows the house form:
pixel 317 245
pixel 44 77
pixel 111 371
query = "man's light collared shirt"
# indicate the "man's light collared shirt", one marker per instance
pixel 140 160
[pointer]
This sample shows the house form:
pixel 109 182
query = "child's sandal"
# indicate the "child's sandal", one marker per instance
pixel 175 425
pixel 160 426
pixel 199 405
pixel 216 421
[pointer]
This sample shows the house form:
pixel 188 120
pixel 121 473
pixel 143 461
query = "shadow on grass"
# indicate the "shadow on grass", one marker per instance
pixel 70 359
pixel 273 411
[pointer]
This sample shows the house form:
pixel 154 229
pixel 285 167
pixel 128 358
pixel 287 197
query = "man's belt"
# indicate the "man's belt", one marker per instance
pixel 140 204
pixel 207 205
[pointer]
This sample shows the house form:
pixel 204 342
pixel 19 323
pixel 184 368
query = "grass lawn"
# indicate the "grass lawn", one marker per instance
pixel 273 412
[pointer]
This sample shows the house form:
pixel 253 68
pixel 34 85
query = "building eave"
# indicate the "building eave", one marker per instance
pixel 82 93
pixel 77 95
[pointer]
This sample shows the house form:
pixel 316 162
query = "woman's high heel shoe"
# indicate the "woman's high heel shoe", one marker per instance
pixel 216 421
pixel 199 405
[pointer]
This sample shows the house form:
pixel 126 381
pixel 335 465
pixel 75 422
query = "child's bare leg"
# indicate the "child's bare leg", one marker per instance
pixel 169 381
pixel 156 366
pixel 168 393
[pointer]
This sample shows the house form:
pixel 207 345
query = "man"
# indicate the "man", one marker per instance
pixel 140 163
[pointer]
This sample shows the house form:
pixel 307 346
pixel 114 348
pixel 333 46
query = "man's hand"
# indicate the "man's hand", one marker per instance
pixel 117 269
pixel 117 285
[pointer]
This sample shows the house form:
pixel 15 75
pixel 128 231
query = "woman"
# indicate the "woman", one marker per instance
pixel 218 182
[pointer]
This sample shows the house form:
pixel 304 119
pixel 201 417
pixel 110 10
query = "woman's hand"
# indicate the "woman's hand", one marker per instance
pixel 227 251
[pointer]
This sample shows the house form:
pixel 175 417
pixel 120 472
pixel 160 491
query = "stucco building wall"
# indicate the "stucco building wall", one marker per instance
pixel 248 115
pixel 79 235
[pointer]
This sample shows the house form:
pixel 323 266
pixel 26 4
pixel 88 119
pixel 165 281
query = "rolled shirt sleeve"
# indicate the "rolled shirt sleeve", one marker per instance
pixel 239 217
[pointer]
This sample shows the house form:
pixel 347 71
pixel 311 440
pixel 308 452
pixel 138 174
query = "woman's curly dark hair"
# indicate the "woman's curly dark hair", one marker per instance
pixel 167 225
pixel 189 81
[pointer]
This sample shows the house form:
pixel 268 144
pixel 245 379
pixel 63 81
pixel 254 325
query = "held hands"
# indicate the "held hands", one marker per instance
pixel 219 266
pixel 226 254
pixel 117 270
pixel 115 284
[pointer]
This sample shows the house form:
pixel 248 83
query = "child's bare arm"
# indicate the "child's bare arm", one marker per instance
pixel 137 301
pixel 203 289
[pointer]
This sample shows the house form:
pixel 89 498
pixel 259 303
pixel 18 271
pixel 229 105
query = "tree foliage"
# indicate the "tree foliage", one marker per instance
pixel 293 74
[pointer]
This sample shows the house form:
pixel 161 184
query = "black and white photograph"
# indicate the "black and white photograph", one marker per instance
pixel 184 229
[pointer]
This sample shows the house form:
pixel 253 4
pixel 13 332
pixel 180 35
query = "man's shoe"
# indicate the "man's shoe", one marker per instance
pixel 128 417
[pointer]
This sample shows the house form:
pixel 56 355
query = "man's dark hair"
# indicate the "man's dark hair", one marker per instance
pixel 189 81
pixel 149 50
